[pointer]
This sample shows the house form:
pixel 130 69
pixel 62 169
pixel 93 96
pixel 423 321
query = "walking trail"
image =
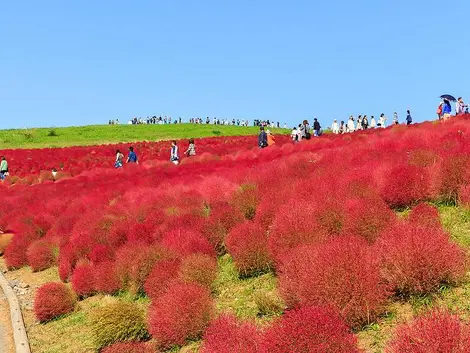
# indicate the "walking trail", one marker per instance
pixel 6 334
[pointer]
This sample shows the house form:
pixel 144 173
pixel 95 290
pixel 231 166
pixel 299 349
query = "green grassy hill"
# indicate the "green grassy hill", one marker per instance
pixel 107 134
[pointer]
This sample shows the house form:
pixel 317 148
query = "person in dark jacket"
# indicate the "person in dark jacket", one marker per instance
pixel 409 119
pixel 316 127
pixel 262 138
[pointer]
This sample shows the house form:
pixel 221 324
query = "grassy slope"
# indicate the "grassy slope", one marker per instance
pixel 106 134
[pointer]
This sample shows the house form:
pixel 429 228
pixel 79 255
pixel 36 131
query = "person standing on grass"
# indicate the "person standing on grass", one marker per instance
pixel 174 155
pixel 409 119
pixel 3 168
pixel 191 151
pixel 132 157
pixel 446 110
pixel 262 138
pixel 119 159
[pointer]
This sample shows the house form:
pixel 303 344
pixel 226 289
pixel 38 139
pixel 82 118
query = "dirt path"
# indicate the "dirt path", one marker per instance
pixel 6 335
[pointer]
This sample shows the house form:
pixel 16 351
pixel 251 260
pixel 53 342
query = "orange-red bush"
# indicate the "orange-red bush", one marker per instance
pixel 53 300
pixel 83 280
pixel 417 259
pixel 106 279
pixel 199 268
pixel 182 313
pixel 163 274
pixel 226 334
pixel 425 215
pixel 248 245
pixel 343 273
pixel 309 329
pixel 184 242
pixel 41 254
pixel 435 332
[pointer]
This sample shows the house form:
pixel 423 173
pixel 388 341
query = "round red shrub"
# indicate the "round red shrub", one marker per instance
pixel 248 245
pixel 53 300
pixel 343 273
pixel 226 334
pixel 181 314
pixel 425 215
pixel 184 242
pixel 66 262
pixel 454 174
pixel 101 253
pixel 106 279
pixel 434 332
pixel 15 253
pixel 83 280
pixel 417 259
pixel 199 268
pixel 42 254
pixel 129 347
pixel 309 329
pixel 163 274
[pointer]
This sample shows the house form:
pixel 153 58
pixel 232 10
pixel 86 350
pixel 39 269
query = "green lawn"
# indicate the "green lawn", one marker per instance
pixel 106 134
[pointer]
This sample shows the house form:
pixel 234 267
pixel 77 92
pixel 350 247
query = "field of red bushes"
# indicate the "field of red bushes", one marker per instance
pixel 321 215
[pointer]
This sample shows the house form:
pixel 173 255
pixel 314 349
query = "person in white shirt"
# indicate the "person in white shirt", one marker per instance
pixel 382 120
pixel 359 123
pixel 174 156
pixel 350 125
pixel 460 106
pixel 294 135
pixel 335 127
pixel 373 123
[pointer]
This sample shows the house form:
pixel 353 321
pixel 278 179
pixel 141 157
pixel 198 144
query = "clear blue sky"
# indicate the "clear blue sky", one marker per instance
pixel 85 62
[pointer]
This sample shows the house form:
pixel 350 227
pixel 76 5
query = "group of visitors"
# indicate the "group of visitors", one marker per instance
pixel 265 138
pixel 303 131
pixel 444 109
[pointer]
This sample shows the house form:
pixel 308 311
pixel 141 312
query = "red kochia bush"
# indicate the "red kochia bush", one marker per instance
pixel 52 300
pixel 405 185
pixel 83 280
pixel 436 332
pixel 248 245
pixel 106 279
pixel 184 241
pixel 454 174
pixel 425 215
pixel 129 347
pixel 163 274
pixel 182 313
pixel 41 254
pixel 228 335
pixel 199 268
pixel 309 329
pixel 417 259
pixel 343 273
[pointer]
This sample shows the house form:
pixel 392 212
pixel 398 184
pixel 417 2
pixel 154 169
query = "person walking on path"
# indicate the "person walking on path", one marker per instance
pixel 446 110
pixel 191 151
pixel 373 123
pixel 132 156
pixel 174 155
pixel 409 119
pixel 3 168
pixel 119 159
pixel 262 138
pixel 382 121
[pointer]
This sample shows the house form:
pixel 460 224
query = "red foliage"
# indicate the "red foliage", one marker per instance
pixel 248 245
pixel 405 185
pixel 101 253
pixel 129 347
pixel 42 254
pixel 106 279
pixel 454 174
pixel 199 268
pixel 182 313
pixel 15 253
pixel 228 335
pixel 425 215
pixel 163 274
pixel 184 242
pixel 53 300
pixel 434 332
pixel 309 329
pixel 83 280
pixel 343 273
pixel 66 262
pixel 417 259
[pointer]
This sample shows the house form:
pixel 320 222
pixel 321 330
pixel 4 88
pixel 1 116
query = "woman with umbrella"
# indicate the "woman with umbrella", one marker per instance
pixel 446 107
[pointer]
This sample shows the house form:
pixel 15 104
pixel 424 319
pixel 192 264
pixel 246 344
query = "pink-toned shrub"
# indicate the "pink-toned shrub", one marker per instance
pixel 182 313
pixel 41 255
pixel 417 259
pixel 163 274
pixel 454 174
pixel 309 329
pixel 425 215
pixel 53 300
pixel 434 332
pixel 343 273
pixel 198 268
pixel 184 242
pixel 248 245
pixel 226 334
pixel 83 280
pixel 101 253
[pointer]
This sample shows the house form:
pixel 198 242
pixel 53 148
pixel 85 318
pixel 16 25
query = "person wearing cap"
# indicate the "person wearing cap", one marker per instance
pixel 335 127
